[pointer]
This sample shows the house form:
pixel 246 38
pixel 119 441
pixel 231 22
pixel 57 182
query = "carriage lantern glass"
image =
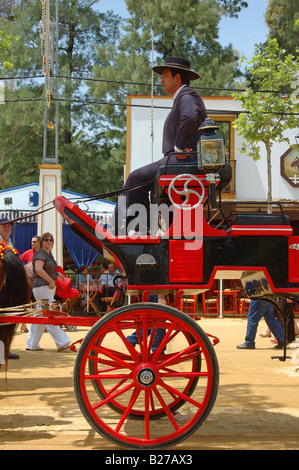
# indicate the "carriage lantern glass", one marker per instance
pixel 210 148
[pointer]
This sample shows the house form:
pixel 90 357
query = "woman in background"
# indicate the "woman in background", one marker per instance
pixel 43 288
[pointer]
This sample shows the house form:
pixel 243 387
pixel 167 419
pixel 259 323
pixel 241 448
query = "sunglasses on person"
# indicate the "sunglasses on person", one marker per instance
pixel 48 240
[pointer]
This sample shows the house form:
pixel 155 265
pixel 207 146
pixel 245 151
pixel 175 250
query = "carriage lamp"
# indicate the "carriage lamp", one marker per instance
pixel 297 139
pixel 210 148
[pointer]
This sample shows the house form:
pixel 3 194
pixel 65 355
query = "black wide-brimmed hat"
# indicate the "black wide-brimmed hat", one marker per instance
pixel 177 63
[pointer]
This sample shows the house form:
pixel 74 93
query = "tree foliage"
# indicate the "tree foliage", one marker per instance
pixel 92 138
pixel 80 28
pixel 268 113
pixel 282 19
pixel 6 59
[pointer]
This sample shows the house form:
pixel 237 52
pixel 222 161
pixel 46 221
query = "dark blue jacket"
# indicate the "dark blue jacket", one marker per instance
pixel 182 123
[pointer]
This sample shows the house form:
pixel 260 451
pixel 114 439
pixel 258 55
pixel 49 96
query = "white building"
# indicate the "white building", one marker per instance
pixel 25 200
pixel 145 121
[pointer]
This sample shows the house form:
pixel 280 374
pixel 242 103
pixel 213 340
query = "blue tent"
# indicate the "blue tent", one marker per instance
pixel 79 250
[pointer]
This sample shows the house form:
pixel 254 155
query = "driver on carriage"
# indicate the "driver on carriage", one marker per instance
pixel 180 137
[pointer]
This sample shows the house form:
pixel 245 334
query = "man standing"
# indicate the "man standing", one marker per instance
pixel 180 134
pixel 27 256
pixel 258 309
pixel 5 231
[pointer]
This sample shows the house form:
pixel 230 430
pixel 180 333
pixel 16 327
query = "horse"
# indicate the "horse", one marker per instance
pixel 13 290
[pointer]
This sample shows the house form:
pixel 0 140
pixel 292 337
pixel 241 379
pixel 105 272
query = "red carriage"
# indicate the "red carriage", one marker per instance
pixel 146 375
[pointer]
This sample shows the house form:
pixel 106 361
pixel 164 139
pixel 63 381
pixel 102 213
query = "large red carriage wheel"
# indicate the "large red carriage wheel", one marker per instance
pixel 156 412
pixel 111 375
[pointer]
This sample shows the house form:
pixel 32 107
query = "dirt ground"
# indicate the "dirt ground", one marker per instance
pixel 257 405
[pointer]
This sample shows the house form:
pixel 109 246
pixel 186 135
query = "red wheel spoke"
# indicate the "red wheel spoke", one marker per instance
pixel 111 397
pixel 147 398
pixel 178 357
pixel 106 376
pixel 151 399
pixel 112 355
pixel 166 409
pixel 152 337
pixel 163 343
pixel 187 375
pixel 144 342
pixel 119 384
pixel 128 345
pixel 102 360
pixel 180 394
pixel 135 395
pixel 139 337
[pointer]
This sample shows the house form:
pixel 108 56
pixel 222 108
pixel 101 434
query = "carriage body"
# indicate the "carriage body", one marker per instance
pixel 259 249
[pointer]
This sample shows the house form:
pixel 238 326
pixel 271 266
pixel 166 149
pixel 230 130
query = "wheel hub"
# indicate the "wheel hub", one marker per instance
pixel 146 377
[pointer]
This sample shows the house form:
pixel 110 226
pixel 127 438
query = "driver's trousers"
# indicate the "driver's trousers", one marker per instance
pixel 124 210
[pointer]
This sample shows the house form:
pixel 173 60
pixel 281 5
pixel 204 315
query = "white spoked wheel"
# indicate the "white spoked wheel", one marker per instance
pixel 186 191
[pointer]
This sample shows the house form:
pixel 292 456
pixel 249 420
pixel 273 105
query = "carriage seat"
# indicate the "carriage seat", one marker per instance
pixel 179 169
pixel 260 224
pixel 261 219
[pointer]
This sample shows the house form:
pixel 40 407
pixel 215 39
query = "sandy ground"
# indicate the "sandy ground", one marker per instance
pixel 257 405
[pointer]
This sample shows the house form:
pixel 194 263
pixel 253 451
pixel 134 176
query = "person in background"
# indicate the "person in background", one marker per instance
pixel 258 309
pixel 27 256
pixel 83 274
pixel 5 231
pixel 44 287
pixel 71 271
pixel 106 280
pixel 5 235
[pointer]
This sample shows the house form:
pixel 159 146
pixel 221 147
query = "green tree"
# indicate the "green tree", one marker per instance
pixel 282 19
pixel 6 59
pixel 267 115
pixel 6 63
pixel 80 28
pixel 6 8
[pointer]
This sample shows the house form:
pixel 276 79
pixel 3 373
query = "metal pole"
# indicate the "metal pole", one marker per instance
pixel 45 132
pixel 53 90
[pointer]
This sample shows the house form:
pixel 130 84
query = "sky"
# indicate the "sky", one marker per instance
pixel 242 32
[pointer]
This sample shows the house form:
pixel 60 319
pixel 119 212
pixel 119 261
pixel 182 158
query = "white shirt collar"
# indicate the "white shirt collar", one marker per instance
pixel 177 92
